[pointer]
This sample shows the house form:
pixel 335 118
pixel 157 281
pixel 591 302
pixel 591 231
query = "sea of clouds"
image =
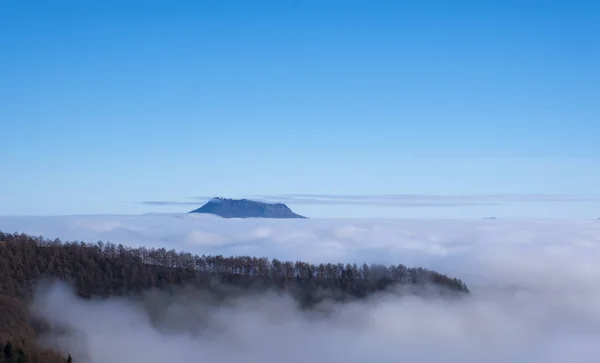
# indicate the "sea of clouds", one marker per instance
pixel 535 292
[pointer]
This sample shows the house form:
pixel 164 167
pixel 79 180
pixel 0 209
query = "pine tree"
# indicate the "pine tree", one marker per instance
pixel 8 350
pixel 69 359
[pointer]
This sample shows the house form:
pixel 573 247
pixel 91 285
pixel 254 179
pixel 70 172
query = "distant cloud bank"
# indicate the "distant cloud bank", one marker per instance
pixel 397 200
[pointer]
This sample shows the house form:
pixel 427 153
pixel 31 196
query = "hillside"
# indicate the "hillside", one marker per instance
pixel 245 208
pixel 104 270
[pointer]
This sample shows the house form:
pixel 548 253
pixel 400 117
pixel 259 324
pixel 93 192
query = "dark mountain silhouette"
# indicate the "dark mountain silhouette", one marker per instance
pixel 245 208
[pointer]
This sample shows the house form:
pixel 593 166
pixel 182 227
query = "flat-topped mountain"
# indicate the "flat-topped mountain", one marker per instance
pixel 245 208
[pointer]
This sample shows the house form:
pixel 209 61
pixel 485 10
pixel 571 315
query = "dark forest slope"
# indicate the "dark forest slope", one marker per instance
pixel 103 270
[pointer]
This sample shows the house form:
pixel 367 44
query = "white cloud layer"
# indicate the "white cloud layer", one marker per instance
pixel 399 200
pixel 423 200
pixel 536 296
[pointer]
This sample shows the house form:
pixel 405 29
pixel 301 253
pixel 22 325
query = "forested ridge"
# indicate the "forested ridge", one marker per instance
pixel 105 269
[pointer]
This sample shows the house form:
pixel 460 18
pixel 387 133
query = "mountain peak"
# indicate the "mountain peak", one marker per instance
pixel 246 208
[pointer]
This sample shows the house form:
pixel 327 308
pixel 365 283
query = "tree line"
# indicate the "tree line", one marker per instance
pixel 10 354
pixel 105 269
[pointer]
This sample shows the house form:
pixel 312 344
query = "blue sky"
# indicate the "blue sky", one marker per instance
pixel 107 104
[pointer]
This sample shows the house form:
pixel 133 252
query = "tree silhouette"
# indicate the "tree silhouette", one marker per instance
pixel 8 351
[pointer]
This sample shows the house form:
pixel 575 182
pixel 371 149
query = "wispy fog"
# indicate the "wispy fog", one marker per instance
pixel 535 293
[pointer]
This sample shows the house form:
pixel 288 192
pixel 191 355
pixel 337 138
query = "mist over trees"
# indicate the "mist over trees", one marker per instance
pixel 104 269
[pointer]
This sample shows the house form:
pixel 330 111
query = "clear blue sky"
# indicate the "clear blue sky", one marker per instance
pixel 104 104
